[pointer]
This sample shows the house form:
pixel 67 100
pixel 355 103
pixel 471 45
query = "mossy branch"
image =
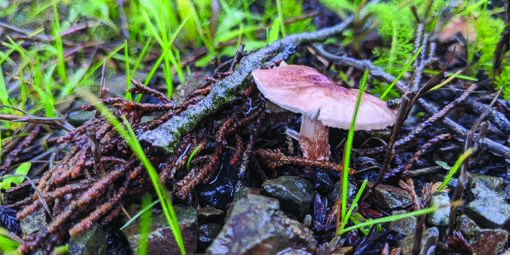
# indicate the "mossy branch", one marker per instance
pixel 167 135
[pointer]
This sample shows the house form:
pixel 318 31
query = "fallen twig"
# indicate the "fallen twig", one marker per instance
pixel 167 135
pixel 378 73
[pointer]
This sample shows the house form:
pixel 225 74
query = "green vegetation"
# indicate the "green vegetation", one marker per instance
pixel 145 225
pixel 7 245
pixel 21 170
pixel 47 77
pixel 399 32
pixel 344 180
pixel 160 38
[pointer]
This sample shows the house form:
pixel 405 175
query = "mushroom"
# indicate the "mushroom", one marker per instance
pixel 322 103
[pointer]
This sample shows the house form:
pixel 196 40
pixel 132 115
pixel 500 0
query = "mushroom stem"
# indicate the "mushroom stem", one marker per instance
pixel 313 138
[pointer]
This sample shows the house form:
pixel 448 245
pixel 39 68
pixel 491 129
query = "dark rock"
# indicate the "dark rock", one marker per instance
pixel 210 215
pixel 428 242
pixel 161 238
pixel 295 194
pixel 483 241
pixel 116 242
pixel 78 118
pixel 323 182
pixel 206 234
pixel 91 242
pixel 256 226
pixel 406 226
pixel 219 192
pixel 391 197
pixel 441 216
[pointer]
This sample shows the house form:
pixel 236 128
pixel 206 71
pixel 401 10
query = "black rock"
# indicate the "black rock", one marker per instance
pixel 219 192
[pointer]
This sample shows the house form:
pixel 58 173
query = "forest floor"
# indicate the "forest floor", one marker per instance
pixel 137 127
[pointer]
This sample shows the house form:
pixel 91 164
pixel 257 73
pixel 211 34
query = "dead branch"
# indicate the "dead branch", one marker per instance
pixel 167 135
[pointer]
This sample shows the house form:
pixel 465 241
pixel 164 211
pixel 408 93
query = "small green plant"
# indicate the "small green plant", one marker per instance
pixel 404 70
pixel 21 170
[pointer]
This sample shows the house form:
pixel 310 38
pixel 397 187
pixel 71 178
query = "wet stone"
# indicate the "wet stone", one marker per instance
pixel 428 242
pixel 219 192
pixel 161 239
pixel 483 241
pixel 206 234
pixel 323 183
pixel 489 208
pixel 404 226
pixel 489 212
pixel 391 197
pixel 294 193
pixel 480 184
pixel 441 216
pixel 292 251
pixel 91 242
pixel 256 226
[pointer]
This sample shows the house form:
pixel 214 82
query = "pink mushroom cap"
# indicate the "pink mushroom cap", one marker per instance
pixel 302 89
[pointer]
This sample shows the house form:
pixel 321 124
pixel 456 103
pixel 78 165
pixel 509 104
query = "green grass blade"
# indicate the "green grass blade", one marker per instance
pixel 347 149
pixel 404 70
pixel 61 64
pixel 127 73
pixel 188 165
pixel 7 245
pixel 140 213
pixel 389 219
pixel 145 226
pixel 4 94
pixel 354 204
pixel 455 167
